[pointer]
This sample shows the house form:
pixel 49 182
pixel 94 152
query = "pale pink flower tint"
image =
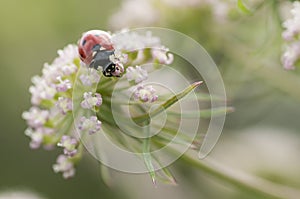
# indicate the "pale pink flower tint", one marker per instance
pixel 291 34
pixel 69 69
pixel 67 55
pixel 136 74
pixel 118 57
pixel 52 120
pixel 132 41
pixel 63 85
pixel 291 55
pixel 41 90
pixel 37 136
pixel 162 56
pixel 64 104
pixel 36 117
pixel 144 93
pixel 91 100
pixel 69 144
pixel 92 77
pixel 91 125
pixel 292 25
pixel 64 165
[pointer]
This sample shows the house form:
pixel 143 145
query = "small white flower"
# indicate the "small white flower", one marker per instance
pixel 162 55
pixel 36 117
pixel 132 41
pixel 63 85
pixel 64 165
pixel 91 100
pixel 69 69
pixel 92 77
pixel 67 55
pixel 64 104
pixel 144 93
pixel 69 144
pixel 292 25
pixel 291 55
pixel 41 90
pixel 136 74
pixel 51 72
pixel 92 124
pixel 118 56
pixel 37 136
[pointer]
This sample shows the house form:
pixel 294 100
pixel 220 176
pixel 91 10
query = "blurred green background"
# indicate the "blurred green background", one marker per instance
pixel 261 137
pixel 31 33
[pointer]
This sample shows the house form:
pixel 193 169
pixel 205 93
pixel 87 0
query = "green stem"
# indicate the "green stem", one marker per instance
pixel 146 151
pixel 252 184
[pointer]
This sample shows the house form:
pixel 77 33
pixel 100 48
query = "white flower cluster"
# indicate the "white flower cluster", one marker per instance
pixel 64 165
pixel 91 100
pixel 50 119
pixel 135 13
pixel 89 79
pixel 137 75
pixel 51 97
pixel 147 12
pixel 69 144
pixel 291 35
pixel 144 93
pixel 147 48
pixel 92 124
pixel 219 8
pixel 135 42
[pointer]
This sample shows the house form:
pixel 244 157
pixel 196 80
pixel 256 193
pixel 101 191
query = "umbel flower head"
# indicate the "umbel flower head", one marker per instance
pixel 51 122
pixel 291 57
pixel 146 13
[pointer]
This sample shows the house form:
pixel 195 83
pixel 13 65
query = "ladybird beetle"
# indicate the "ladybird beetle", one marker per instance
pixel 95 49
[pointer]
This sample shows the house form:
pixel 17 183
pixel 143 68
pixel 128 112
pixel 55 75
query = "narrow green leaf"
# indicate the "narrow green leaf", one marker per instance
pixel 166 104
pixel 166 176
pixel 197 96
pixel 205 113
pixel 147 154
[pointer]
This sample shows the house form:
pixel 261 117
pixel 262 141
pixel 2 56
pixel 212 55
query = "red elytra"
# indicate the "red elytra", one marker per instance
pixel 89 40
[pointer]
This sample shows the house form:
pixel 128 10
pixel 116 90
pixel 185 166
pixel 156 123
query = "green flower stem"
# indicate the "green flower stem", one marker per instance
pixel 251 184
pixel 63 127
pixel 147 152
pixel 76 159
